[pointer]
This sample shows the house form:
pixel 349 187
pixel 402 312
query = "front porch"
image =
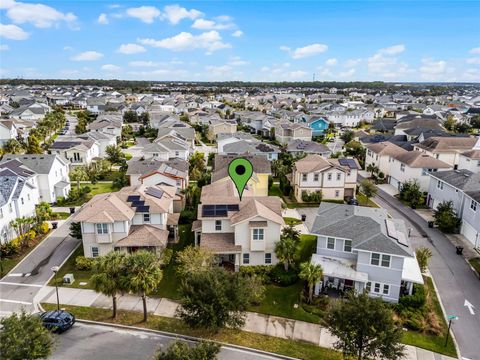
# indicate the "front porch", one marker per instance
pixel 222 245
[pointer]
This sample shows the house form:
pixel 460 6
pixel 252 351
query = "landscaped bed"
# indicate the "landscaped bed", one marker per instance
pixel 475 262
pixel 291 348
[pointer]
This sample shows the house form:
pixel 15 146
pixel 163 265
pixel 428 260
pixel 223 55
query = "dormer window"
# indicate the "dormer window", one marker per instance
pixel 102 228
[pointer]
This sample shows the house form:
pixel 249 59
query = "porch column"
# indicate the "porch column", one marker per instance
pixel 237 262
pixel 410 288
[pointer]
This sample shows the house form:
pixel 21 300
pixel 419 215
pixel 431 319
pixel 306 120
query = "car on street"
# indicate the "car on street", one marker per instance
pixel 57 320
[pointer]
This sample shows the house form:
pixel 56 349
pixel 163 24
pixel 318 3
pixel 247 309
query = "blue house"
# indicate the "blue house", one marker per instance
pixel 316 123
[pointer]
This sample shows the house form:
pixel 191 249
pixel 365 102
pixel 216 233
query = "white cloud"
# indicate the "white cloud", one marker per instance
pixel 67 48
pixel 111 68
pixel 392 50
pixel 103 19
pixel 131 49
pixel 203 24
pixel 475 51
pixel 143 63
pixel 347 74
pixel 475 61
pixel 309 50
pixel 331 62
pixel 432 69
pixel 13 32
pixel 145 14
pixel 183 41
pixel 87 56
pixel 114 6
pixel 238 33
pixel 237 61
pixel 39 15
pixel 352 62
pixel 175 13
pixel 4 47
pixel 297 74
pixel 472 75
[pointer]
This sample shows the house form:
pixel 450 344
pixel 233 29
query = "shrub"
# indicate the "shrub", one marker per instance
pixel 261 271
pixel 166 256
pixel 283 278
pixel 414 301
pixel 84 264
pixel 43 228
pixel 8 249
pixel 187 217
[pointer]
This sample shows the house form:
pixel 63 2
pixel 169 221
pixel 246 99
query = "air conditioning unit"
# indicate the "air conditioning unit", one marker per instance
pixel 68 279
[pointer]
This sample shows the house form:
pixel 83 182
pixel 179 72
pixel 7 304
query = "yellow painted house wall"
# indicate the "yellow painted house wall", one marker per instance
pixel 260 186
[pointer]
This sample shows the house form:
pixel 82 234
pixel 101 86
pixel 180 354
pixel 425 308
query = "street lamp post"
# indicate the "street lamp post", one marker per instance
pixel 55 271
pixel 450 319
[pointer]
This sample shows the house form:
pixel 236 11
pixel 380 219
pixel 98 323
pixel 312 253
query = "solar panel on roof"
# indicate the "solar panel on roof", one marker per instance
pixel 143 209
pixel 138 203
pixel 131 198
pixel 233 207
pixel 155 192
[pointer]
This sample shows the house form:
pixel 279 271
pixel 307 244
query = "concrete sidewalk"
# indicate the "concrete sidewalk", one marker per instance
pixel 255 322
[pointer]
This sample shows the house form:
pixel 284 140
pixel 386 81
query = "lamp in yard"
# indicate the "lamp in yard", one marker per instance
pixel 55 271
pixel 450 319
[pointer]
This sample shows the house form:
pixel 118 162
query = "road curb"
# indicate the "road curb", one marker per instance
pixel 185 337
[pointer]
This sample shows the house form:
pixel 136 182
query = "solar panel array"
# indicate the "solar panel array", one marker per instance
pixel 155 192
pixel 348 162
pixel 143 209
pixel 131 198
pixel 218 210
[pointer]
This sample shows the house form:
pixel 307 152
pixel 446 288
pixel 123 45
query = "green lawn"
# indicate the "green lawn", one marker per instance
pixel 292 221
pixel 69 268
pixel 475 262
pixel 280 301
pixel 98 188
pixel 362 200
pixel 306 248
pixel 60 215
pixel 429 342
pixel 275 190
pixel 297 349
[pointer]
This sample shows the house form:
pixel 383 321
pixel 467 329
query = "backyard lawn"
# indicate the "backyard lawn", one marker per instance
pixel 98 188
pixel 292 221
pixel 362 200
pixel 275 190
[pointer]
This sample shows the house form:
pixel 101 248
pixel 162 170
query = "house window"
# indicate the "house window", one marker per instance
pixel 218 225
pixel 376 288
pixel 386 260
pixel 304 177
pixel 315 177
pixel 375 259
pixel 1 213
pixel 440 185
pixel 177 153
pixel 369 152
pixel 179 183
pixel 347 246
pixel 23 202
pixel 10 208
pixel 258 234
pixel 426 171
pixel 402 167
pixel 368 286
pixel 146 217
pixel 337 193
pixel 386 289
pixel 329 177
pixel 473 205
pixel 102 228
pixel 339 176
pixel 268 258
pixel 246 259
pixel 478 163
pixel 331 243
pixel 94 251
pixel 28 197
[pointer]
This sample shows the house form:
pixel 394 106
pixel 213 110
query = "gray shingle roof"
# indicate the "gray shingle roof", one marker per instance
pixel 40 163
pixel 461 179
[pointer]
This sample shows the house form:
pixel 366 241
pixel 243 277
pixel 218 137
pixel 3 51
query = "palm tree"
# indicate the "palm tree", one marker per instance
pixel 312 274
pixel 423 257
pixel 108 276
pixel 372 168
pixel 144 275
pixel 285 250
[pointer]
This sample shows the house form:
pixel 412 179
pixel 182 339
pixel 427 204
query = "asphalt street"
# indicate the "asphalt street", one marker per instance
pixel 90 341
pixel 455 281
pixel 19 287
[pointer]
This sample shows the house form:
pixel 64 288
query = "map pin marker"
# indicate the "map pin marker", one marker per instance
pixel 240 171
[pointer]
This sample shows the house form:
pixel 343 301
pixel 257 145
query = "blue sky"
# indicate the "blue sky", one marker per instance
pixel 242 40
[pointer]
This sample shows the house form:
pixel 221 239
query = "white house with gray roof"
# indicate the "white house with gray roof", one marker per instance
pixel 362 249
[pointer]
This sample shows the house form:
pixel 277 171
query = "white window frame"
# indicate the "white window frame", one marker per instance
pixel 304 177
pixel 345 245
pixel 268 258
pixel 473 205
pixel 375 288
pixel 329 176
pixel 379 259
pixel 146 217
pixel 258 234
pixel 246 258
pixel 402 167
pixel 101 228
pixel 386 287
pixel 368 286
pixel 440 185
pixel 218 225
pixel 337 193
pixel 339 176
pixel 316 176
pixel 328 242
pixel 93 252
pixel 383 258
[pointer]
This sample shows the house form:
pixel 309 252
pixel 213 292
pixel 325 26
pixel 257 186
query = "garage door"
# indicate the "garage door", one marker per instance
pixel 469 232
pixel 395 182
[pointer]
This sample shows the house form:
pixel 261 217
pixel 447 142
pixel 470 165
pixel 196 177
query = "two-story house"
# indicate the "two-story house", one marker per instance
pixel 414 165
pixel 335 178
pixel 8 131
pixel 470 160
pixel 462 188
pixel 300 147
pixel 240 232
pixel 258 183
pixel 362 249
pixel 446 149
pixel 52 173
pixel 381 155
pixel 285 131
pixel 221 127
pixel 18 197
pixel 136 217
pixel 76 151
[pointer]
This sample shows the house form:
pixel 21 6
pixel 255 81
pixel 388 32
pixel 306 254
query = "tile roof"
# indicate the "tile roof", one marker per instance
pixel 472 154
pixel 386 148
pixel 220 243
pixel 439 144
pixel 144 236
pixel 260 164
pixel 310 163
pixel 417 159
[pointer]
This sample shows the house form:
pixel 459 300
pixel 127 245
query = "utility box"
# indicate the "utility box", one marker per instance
pixel 68 279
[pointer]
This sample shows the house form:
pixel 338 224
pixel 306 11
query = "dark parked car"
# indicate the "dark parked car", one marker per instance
pixel 57 320
pixel 352 201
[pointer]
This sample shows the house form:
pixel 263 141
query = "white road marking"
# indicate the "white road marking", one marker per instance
pixel 16 302
pixel 16 275
pixel 19 284
pixel 470 307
